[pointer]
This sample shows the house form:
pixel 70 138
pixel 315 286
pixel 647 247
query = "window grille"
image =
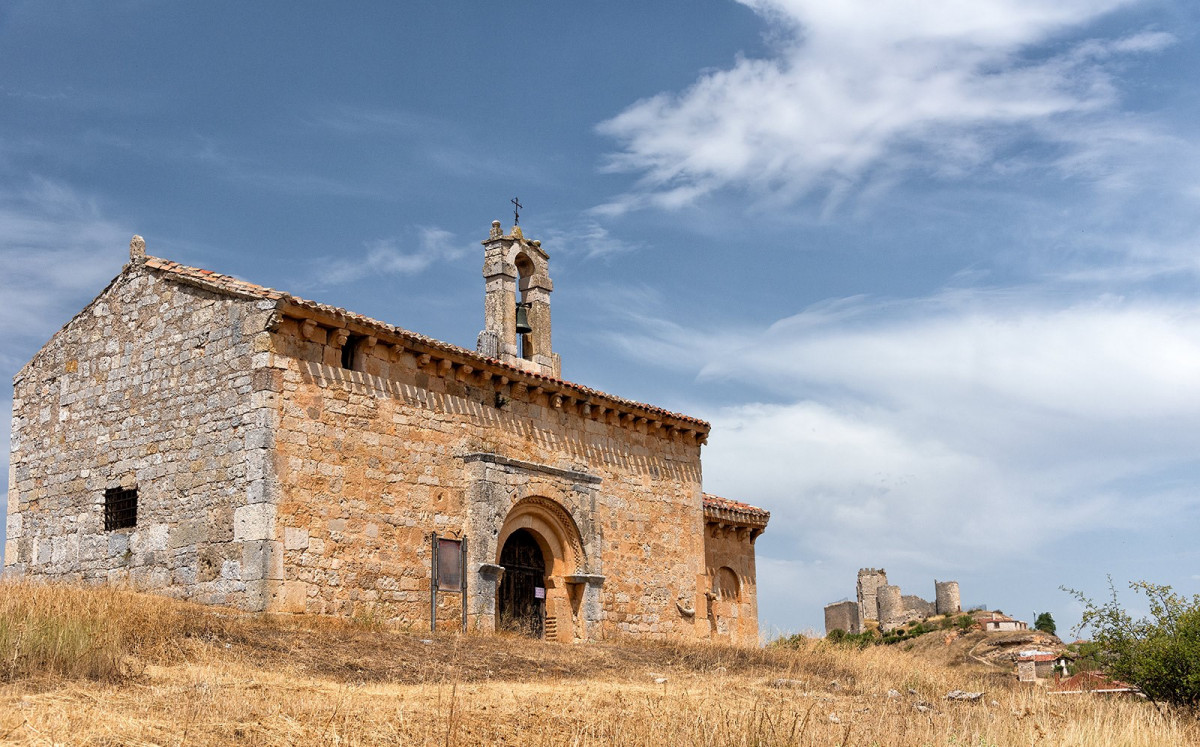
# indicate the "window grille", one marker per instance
pixel 120 508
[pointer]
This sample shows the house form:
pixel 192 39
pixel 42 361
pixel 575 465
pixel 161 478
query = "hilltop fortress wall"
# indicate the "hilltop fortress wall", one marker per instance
pixel 884 603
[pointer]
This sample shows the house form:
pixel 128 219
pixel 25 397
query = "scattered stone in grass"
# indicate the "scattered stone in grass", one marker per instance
pixel 835 685
pixel 660 680
pixel 922 706
pixel 893 694
pixel 833 718
pixel 785 683
pixel 963 695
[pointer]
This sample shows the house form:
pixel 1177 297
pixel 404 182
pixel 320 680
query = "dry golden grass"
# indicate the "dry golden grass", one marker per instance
pixel 165 672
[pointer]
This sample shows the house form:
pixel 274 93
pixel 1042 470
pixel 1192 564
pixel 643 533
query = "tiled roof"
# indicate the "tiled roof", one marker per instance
pixel 723 508
pixel 217 282
pixel 1091 682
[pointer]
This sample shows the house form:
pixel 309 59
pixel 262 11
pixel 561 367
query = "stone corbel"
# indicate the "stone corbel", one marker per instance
pixel 685 611
pixel 491 571
pixel 444 366
pixel 308 329
pixel 339 337
pixel 591 579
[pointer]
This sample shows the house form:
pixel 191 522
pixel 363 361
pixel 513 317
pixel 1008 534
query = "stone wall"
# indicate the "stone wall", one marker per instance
pixel 947 601
pixel 372 460
pixel 916 608
pixel 869 580
pixel 149 387
pixel 732 603
pixel 842 616
pixel 890 607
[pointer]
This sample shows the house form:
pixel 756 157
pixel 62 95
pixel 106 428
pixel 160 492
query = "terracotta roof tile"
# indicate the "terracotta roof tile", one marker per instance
pixel 225 283
pixel 1038 657
pixel 751 514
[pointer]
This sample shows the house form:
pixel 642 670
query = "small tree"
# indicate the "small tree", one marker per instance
pixel 1045 623
pixel 1160 654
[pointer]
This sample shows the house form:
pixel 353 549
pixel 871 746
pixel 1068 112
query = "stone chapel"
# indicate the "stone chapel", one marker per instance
pixel 211 439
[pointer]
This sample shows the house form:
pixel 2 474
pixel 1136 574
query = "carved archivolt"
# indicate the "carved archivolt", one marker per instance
pixel 546 516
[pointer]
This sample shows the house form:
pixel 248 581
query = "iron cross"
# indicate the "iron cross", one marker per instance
pixel 516 210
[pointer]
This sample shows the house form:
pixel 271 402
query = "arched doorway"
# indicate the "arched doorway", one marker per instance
pixel 521 598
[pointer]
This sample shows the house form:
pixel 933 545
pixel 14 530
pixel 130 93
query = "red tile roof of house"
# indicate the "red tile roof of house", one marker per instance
pixel 1038 657
pixel 716 507
pixel 1091 682
pixel 227 284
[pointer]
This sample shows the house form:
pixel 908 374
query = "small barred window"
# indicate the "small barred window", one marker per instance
pixel 120 508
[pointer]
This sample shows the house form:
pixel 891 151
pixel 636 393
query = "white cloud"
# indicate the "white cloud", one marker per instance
pixel 57 250
pixel 390 257
pixel 941 434
pixel 857 90
pixel 587 239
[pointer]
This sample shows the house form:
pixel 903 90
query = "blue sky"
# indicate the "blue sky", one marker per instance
pixel 929 268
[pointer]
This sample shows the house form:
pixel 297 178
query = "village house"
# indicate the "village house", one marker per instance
pixel 1037 665
pixel 996 622
pixel 211 439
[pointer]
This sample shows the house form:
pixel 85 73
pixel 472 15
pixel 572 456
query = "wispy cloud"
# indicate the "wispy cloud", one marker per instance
pixel 931 433
pixel 389 257
pixel 57 250
pixel 588 239
pixel 857 91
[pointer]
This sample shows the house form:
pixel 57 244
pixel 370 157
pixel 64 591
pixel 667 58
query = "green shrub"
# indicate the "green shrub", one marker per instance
pixel 1160 654
pixel 1045 623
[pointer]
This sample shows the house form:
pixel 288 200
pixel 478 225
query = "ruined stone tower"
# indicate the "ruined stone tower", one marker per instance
pixel 891 607
pixel 869 579
pixel 946 597
pixel 516 272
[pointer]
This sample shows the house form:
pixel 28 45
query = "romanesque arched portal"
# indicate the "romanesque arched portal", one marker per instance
pixel 539 541
pixel 521 597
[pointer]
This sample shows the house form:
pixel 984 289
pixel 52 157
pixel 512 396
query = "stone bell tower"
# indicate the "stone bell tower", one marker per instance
pixel 516 272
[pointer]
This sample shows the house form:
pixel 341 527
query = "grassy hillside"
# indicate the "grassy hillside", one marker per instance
pixel 103 666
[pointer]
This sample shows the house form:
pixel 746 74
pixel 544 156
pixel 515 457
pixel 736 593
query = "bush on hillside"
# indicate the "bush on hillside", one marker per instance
pixel 1160 653
pixel 1045 623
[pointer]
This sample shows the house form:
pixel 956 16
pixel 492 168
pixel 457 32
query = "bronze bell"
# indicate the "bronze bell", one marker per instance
pixel 523 327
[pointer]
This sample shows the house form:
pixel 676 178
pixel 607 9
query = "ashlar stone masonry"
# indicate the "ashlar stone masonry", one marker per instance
pixel 289 456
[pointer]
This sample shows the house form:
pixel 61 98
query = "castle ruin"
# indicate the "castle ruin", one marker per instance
pixel 884 603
